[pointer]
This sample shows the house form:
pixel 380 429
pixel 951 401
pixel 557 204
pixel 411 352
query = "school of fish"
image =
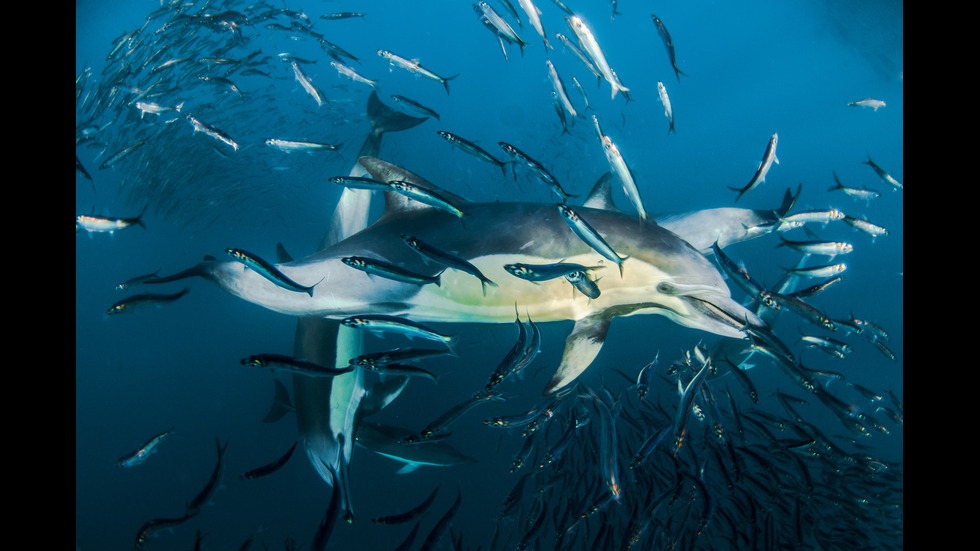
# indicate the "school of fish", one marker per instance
pixel 680 453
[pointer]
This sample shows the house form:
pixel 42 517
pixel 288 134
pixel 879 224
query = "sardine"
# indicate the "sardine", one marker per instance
pixel 266 470
pixel 290 364
pixel 212 131
pixel 121 154
pixel 873 230
pixel 618 165
pixel 867 103
pixel 588 234
pixel 591 46
pixel 411 514
pixel 883 175
pixel 426 196
pixel 585 285
pixel 545 272
pixel 140 454
pixel 289 146
pixel 307 84
pixel 144 299
pixel 269 271
pixel 820 248
pixel 472 149
pixel 537 168
pixel 446 259
pixel 862 194
pixel 352 74
pixel 388 270
pixel 413 66
pixel 668 111
pixel 768 158
pixel 669 44
pixel 384 323
pixel 415 105
pixel 559 88
pixel 106 224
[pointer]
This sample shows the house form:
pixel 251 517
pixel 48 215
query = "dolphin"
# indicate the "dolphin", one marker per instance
pixel 328 410
pixel 726 225
pixel 386 440
pixel 663 274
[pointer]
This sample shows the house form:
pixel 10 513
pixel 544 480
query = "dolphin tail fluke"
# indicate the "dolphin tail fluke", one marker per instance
pixel 581 347
pixel 385 119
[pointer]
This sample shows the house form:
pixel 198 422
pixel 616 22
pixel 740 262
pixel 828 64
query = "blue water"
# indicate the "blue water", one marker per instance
pixel 753 68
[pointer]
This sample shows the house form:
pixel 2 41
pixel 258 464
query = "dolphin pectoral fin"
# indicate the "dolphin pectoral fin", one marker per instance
pixel 380 395
pixel 581 347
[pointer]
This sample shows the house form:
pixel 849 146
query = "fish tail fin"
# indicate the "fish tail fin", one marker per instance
pixel 445 82
pixel 486 282
pixel 738 190
pixel 837 183
pixel 622 259
pixel 139 218
pixel 309 291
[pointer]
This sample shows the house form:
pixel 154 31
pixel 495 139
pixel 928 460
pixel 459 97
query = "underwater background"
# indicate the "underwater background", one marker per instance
pixel 750 69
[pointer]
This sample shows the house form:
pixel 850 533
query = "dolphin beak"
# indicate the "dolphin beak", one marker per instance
pixel 722 315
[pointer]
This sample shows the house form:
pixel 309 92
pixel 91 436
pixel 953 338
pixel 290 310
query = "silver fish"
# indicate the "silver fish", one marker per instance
pixel 413 66
pixel 668 111
pixel 768 158
pixel 307 84
pixel 588 42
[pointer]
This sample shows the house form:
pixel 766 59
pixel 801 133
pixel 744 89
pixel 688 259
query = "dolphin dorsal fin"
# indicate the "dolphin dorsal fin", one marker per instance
pixel 281 255
pixel 396 202
pixel 601 195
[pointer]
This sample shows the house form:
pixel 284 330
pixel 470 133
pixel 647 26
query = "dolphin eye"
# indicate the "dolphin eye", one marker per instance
pixel 665 288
